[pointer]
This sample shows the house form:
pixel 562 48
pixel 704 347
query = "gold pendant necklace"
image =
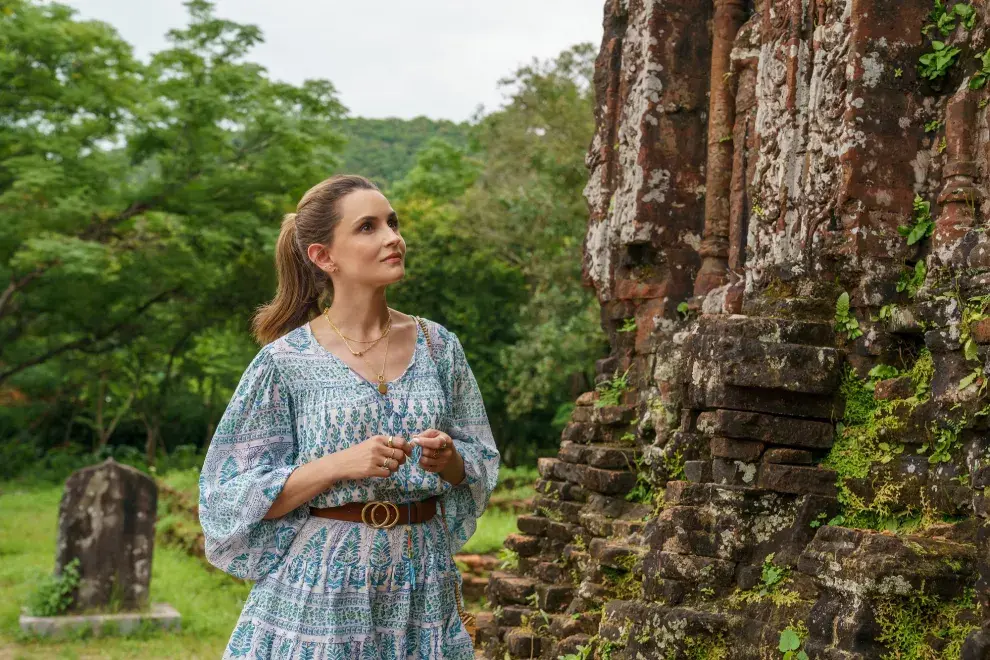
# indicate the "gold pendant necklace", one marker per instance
pixel 382 385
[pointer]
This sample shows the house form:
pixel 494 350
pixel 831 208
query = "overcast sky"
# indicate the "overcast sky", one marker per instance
pixel 387 58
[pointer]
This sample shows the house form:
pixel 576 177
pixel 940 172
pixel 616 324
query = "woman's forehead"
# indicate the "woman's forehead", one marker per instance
pixel 362 203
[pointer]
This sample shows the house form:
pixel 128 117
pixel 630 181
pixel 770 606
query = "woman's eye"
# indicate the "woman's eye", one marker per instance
pixel 395 223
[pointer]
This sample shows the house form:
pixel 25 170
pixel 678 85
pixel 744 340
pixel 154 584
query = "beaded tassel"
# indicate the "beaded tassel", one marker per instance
pixel 409 550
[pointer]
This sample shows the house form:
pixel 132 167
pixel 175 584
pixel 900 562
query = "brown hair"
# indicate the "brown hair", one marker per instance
pixel 301 284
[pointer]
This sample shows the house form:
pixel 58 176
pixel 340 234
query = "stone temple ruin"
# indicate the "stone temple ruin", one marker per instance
pixel 788 239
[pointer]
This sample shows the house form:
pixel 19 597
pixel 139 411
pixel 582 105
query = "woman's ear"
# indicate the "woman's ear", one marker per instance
pixel 319 255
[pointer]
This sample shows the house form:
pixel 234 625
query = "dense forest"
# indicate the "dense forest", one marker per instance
pixel 140 202
pixel 384 150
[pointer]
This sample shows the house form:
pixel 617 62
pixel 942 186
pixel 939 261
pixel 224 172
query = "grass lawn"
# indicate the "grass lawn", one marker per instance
pixel 209 601
pixel 493 526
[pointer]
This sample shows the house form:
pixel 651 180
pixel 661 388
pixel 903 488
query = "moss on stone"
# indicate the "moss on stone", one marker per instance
pixel 706 648
pixel 867 436
pixel 923 626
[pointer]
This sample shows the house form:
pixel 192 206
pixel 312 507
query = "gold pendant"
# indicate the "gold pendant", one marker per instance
pixel 382 387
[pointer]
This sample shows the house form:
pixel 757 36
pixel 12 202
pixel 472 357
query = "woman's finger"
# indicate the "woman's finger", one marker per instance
pixel 432 442
pixel 399 443
pixel 395 453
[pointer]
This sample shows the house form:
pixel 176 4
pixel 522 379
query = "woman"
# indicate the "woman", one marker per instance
pixel 354 405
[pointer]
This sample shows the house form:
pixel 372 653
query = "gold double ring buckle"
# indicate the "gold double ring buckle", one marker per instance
pixel 391 514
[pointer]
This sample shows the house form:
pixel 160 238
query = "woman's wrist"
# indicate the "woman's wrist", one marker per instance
pixel 332 468
pixel 455 472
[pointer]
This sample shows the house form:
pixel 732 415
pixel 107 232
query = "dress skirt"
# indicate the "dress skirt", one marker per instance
pixel 347 590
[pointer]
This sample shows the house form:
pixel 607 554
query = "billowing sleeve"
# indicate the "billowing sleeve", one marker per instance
pixel 251 455
pixel 472 435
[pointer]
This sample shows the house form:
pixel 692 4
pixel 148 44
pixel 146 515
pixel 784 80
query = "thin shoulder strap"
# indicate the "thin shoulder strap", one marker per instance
pixel 429 344
pixel 426 333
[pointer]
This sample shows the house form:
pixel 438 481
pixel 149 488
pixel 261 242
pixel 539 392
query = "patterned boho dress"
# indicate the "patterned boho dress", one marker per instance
pixel 331 588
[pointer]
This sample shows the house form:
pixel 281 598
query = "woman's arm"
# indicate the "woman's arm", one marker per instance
pixel 364 460
pixel 306 482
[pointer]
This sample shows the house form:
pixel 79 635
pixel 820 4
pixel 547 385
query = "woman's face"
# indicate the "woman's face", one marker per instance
pixel 367 233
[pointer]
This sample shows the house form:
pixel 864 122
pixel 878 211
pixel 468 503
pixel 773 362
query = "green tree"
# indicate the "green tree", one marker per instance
pixel 139 204
pixel 452 276
pixel 528 206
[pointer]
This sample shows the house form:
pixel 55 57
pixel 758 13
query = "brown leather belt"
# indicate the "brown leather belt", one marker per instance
pixel 381 514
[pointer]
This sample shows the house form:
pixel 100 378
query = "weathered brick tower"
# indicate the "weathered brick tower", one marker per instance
pixel 787 450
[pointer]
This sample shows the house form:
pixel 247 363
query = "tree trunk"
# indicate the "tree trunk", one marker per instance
pixel 151 440
pixel 101 391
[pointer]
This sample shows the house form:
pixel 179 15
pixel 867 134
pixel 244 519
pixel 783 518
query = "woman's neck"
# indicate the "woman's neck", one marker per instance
pixel 361 318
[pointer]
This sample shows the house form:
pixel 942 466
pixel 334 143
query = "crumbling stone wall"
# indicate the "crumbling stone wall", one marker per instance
pixel 786 452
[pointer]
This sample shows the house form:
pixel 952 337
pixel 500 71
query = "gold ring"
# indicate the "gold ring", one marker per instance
pixel 443 445
pixel 390 442
pixel 391 514
pixel 392 455
pixel 385 465
pixel 436 453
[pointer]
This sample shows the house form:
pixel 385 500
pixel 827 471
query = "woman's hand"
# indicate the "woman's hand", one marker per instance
pixel 373 457
pixel 439 455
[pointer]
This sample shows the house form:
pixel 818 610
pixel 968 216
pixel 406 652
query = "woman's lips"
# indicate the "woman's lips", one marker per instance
pixel 393 260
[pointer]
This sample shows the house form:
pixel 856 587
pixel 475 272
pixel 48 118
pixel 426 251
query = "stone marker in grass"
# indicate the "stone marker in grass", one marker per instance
pixel 106 534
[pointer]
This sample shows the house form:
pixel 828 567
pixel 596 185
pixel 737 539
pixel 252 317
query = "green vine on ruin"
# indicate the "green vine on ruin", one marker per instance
pixel 910 624
pixel 973 310
pixel 791 640
pixel 923 225
pixel 623 583
pixel 912 278
pixel 866 436
pixel 845 319
pixel 979 79
pixel 610 392
pixel 628 325
pixel 772 587
pixel 706 648
pixel 934 64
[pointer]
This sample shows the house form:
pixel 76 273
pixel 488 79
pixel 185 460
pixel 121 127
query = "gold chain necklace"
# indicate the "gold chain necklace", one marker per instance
pixel 388 326
pixel 382 385
pixel 373 342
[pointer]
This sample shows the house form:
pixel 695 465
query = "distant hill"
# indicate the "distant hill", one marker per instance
pixel 385 149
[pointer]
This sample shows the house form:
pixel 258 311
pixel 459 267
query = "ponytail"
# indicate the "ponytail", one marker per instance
pixel 297 297
pixel 301 284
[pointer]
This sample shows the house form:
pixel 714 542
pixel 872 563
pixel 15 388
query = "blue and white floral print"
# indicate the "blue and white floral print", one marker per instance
pixel 330 588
